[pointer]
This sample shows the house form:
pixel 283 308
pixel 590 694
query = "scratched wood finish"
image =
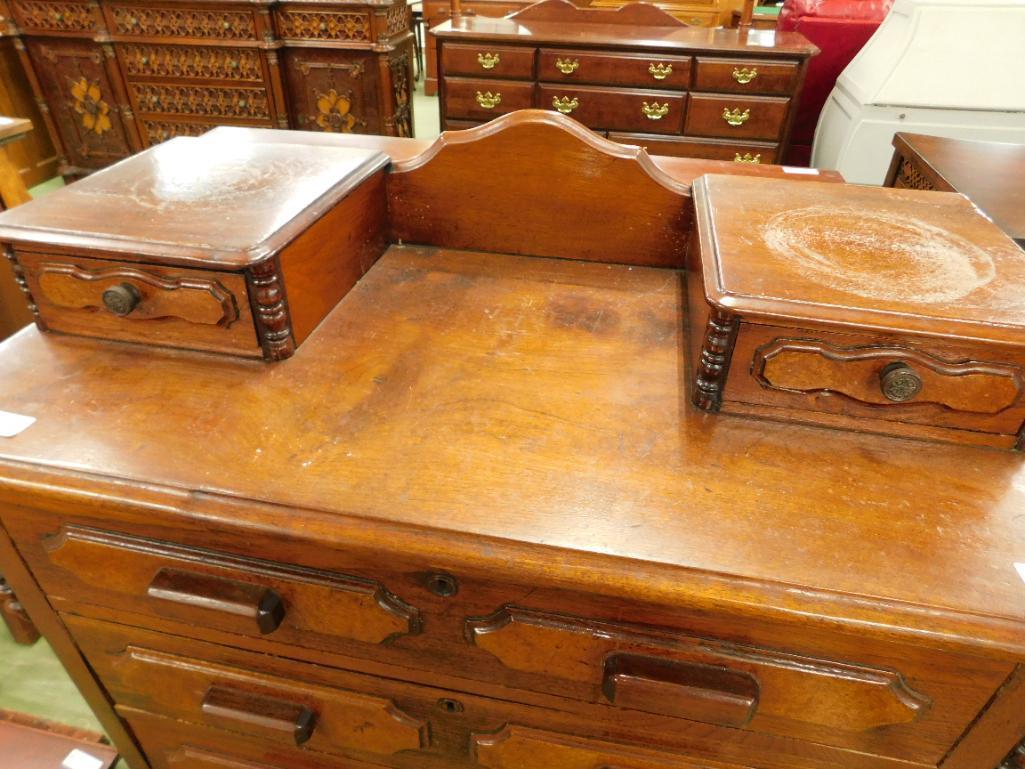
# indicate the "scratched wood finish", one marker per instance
pixel 896 324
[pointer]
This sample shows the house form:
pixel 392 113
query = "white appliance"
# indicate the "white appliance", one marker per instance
pixel 943 67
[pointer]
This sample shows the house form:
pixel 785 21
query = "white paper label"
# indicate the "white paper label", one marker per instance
pixel 798 170
pixel 12 424
pixel 1021 570
pixel 79 759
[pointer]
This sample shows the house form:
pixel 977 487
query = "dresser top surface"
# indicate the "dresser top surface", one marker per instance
pixel 990 174
pixel 213 202
pixel 531 401
pixel 674 39
pixel 904 261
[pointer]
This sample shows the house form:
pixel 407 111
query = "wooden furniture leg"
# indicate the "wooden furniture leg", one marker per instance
pixel 15 617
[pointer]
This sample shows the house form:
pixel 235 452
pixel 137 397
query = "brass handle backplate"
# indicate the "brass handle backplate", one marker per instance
pixel 565 105
pixel 899 382
pixel 655 111
pixel 745 75
pixel 660 71
pixel 747 157
pixel 735 117
pixel 488 60
pixel 122 298
pixel 488 100
pixel 567 66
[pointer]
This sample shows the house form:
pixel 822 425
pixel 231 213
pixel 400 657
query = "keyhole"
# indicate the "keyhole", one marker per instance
pixel 450 706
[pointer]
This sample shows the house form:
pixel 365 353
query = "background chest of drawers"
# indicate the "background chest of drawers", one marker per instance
pixel 701 13
pixel 635 75
pixel 117 76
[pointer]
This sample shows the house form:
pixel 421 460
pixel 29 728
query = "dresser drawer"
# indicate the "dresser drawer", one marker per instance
pixel 617 109
pixel 569 66
pixel 741 117
pixel 205 589
pixel 484 99
pixel 55 16
pixel 145 62
pixel 171 744
pixel 517 747
pixel 196 309
pixel 918 383
pixel 501 62
pixel 236 102
pixel 752 153
pixel 745 76
pixel 172 21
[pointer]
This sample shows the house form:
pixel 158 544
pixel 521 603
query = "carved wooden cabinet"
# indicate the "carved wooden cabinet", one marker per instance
pixel 473 522
pixel 636 75
pixel 118 76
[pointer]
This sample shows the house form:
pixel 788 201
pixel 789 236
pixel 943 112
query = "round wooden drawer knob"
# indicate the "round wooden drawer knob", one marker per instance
pixel 121 299
pixel 899 382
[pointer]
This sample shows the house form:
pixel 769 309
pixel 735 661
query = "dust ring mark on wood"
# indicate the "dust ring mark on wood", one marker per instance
pixel 887 257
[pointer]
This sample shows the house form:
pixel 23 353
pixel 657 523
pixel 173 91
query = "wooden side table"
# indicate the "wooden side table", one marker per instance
pixel 14 311
pixel 990 174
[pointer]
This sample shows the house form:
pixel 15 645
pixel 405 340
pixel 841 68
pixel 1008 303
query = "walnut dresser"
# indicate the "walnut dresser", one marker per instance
pixel 116 76
pixel 637 75
pixel 473 521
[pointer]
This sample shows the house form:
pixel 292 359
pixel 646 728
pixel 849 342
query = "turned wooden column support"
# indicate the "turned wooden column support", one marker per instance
pixel 22 629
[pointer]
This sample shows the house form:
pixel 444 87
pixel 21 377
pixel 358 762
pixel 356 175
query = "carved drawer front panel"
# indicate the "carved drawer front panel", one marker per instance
pixel 485 99
pixel 518 747
pixel 181 22
pixel 156 131
pixel 291 605
pixel 144 62
pixel 58 16
pixel 488 61
pixel 750 153
pixel 872 708
pixel 333 91
pixel 198 309
pixel 212 101
pixel 74 81
pixel 739 117
pixel 287 712
pixel 641 70
pixel 171 744
pixel 321 25
pixel 617 109
pixel 860 375
pixel 745 76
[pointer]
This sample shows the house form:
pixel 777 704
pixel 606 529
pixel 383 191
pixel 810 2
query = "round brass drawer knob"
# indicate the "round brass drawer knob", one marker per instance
pixel 899 382
pixel 121 299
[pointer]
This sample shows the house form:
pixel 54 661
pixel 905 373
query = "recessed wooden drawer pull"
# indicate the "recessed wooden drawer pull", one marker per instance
pixel 680 689
pixel 565 105
pixel 747 157
pixel 567 66
pixel 655 111
pixel 745 75
pixel 203 591
pixel 660 71
pixel 488 100
pixel 488 60
pixel 735 117
pixel 261 712
pixel 899 382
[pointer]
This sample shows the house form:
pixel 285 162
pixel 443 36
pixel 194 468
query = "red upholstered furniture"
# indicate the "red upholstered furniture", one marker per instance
pixel 839 28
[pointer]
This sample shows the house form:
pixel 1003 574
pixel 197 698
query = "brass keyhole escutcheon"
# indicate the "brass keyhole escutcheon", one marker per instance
pixel 121 299
pixel 899 382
